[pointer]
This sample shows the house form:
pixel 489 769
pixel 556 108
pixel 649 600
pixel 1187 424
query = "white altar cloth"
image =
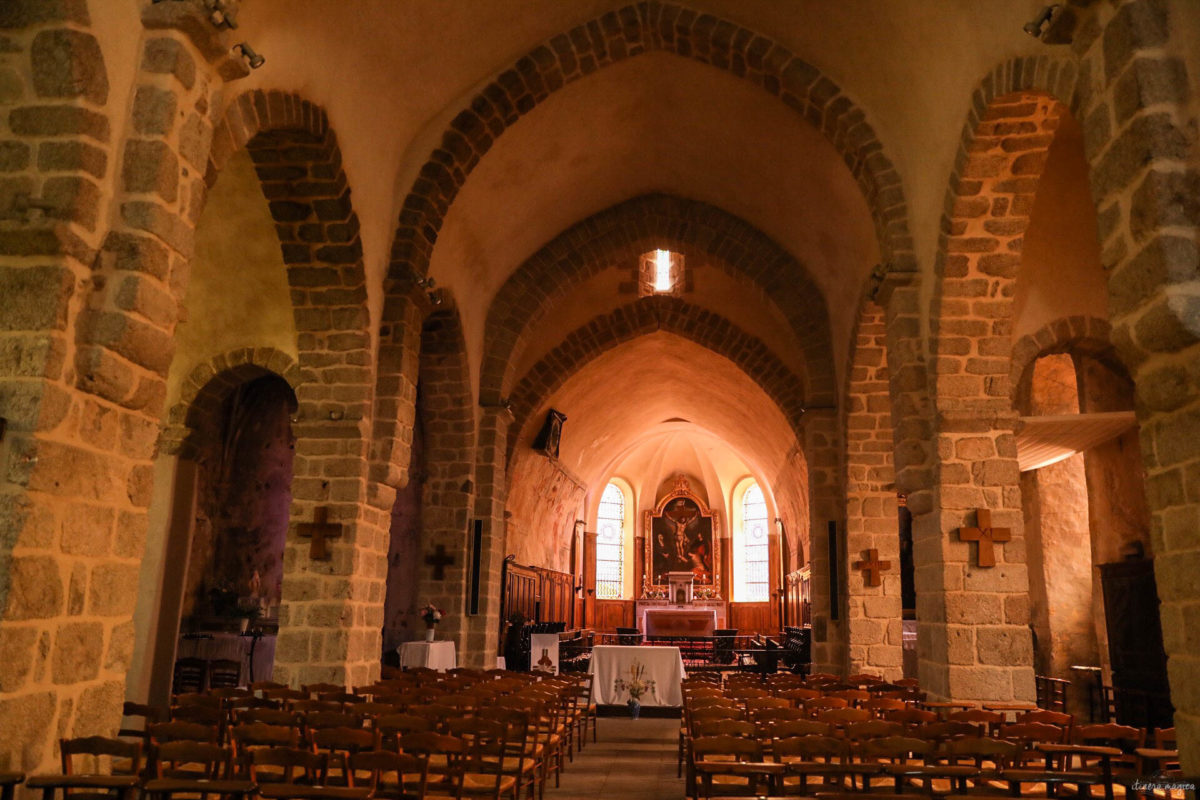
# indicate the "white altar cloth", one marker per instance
pixel 664 665
pixel 434 655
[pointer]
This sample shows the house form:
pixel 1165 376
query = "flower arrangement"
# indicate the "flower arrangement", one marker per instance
pixel 431 614
pixel 706 593
pixel 636 684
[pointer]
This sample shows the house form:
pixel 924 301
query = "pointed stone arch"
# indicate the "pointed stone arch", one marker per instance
pixel 648 315
pixel 617 237
pixel 625 33
pixel 210 383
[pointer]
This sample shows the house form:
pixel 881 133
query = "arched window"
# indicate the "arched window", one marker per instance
pixel 610 544
pixel 751 575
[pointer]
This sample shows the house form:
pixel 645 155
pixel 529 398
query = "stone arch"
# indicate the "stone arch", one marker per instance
pixel 624 33
pixel 1077 335
pixel 955 448
pixel 178 141
pixel 620 235
pixel 648 315
pixel 209 383
pixel 873 612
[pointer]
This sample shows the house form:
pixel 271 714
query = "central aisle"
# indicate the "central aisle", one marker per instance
pixel 633 760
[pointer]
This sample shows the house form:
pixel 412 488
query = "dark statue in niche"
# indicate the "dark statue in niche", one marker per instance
pixel 549 436
pixel 246 502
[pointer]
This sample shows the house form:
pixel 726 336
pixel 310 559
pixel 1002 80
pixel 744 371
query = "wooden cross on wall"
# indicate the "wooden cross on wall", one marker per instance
pixel 986 536
pixel 320 530
pixel 439 561
pixel 872 567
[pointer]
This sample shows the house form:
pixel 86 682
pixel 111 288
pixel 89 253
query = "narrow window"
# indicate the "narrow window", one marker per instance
pixel 751 573
pixel 610 544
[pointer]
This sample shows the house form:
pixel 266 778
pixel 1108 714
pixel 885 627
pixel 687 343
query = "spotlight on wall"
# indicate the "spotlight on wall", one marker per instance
pixel 427 283
pixel 255 60
pixel 1036 26
pixel 222 12
pixel 435 297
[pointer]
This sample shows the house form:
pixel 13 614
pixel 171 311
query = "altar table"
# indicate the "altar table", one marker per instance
pixel 434 655
pixel 664 665
pixel 678 622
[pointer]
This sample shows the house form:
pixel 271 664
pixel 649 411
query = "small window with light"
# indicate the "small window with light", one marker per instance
pixel 661 273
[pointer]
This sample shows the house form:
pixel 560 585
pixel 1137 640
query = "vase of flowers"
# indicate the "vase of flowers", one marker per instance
pixel 636 685
pixel 432 615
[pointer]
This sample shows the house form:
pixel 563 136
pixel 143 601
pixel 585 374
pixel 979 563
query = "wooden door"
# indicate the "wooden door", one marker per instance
pixel 1135 645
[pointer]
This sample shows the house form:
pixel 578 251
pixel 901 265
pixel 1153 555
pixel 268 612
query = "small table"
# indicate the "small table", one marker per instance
pixel 438 656
pixel 664 665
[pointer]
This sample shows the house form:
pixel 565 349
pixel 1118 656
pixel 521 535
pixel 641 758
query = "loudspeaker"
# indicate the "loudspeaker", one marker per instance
pixel 834 570
pixel 476 560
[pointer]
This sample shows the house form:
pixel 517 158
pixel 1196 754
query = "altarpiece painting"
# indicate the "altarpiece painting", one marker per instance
pixel 683 534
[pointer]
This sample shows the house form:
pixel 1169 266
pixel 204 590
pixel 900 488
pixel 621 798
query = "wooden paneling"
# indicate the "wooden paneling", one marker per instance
pixel 538 594
pixel 613 614
pixel 752 618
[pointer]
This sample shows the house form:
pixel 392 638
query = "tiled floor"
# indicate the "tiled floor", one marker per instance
pixel 633 760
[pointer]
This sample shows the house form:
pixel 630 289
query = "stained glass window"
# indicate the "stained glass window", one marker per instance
pixel 610 544
pixel 751 562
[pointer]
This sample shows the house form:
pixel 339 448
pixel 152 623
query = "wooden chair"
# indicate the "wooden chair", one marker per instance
pixel 725 727
pixel 819 704
pixel 9 781
pixel 338 744
pixel 394 726
pixel 224 673
pixel 304 776
pixel 988 722
pixel 843 716
pixel 901 758
pixel 93 768
pixel 314 689
pixel 961 765
pixel 180 731
pixel 268 716
pixel 733 763
pixel 911 717
pixel 388 775
pixel 481 771
pixel 440 756
pixel 188 675
pixel 249 738
pixel 944 731
pixel 881 706
pixel 521 759
pixel 147 714
pixel 871 729
pixel 810 756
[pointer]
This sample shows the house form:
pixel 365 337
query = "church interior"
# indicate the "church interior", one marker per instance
pixel 856 339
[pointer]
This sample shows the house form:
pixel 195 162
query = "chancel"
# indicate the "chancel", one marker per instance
pixel 556 357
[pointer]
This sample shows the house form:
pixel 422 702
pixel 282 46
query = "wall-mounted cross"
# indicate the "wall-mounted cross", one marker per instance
pixel 439 561
pixel 320 530
pixel 872 568
pixel 986 536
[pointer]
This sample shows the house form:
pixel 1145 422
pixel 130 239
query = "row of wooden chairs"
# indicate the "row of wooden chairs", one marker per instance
pixel 341 723
pixel 1042 747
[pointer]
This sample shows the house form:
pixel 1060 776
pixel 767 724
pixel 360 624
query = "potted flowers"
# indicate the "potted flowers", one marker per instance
pixel 636 685
pixel 432 616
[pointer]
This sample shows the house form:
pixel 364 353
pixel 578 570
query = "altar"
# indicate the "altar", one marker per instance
pixel 678 621
pixel 697 618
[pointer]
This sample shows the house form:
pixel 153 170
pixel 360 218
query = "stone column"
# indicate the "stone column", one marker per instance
pixel 871 515
pixel 826 504
pixel 483 629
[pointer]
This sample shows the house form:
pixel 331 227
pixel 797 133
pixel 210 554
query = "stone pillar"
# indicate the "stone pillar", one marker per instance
pixel 483 629
pixel 874 612
pixel 826 504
